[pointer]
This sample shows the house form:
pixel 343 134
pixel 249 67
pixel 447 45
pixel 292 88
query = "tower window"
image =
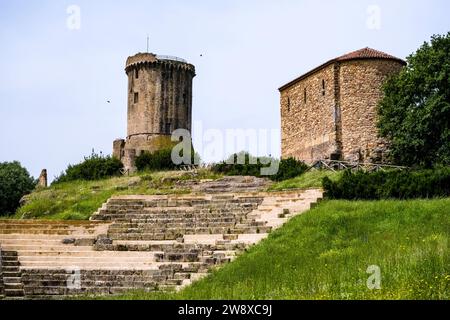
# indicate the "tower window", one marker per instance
pixel 323 87
pixel 304 95
pixel 136 97
pixel 136 74
pixel 289 104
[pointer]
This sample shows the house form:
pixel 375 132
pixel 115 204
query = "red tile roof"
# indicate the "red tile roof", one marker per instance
pixel 366 53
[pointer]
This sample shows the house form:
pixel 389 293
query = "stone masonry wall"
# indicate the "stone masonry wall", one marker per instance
pixel 159 102
pixel 309 128
pixel 361 84
pixel 339 122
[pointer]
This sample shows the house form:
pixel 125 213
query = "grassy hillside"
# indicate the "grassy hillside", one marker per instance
pixel 77 200
pixel 325 253
pixel 310 179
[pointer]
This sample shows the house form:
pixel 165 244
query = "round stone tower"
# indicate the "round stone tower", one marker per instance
pixel 159 102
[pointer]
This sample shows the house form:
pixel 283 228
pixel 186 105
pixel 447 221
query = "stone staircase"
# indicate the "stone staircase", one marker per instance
pixel 140 242
pixel 11 276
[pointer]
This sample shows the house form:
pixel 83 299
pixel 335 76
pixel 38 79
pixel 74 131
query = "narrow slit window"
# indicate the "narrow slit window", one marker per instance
pixel 136 97
pixel 136 74
pixel 304 95
pixel 289 104
pixel 323 87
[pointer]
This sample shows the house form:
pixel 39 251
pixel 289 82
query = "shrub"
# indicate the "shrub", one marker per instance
pixel 407 184
pixel 288 168
pixel 95 167
pixel 160 160
pixel 15 182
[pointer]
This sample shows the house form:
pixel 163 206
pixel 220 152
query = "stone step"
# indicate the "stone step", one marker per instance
pixel 9 274
pixel 81 259
pixel 85 254
pixel 19 292
pixel 34 242
pixel 7 269
pixel 13 286
pixel 60 248
pixel 89 266
pixel 12 280
pixel 6 253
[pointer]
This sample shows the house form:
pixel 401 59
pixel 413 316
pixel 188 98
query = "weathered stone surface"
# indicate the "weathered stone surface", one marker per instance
pixel 229 184
pixel 331 112
pixel 42 181
pixel 54 259
pixel 159 102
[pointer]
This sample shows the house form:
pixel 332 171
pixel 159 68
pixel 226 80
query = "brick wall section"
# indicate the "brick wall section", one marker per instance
pixel 361 84
pixel 309 129
pixel 340 122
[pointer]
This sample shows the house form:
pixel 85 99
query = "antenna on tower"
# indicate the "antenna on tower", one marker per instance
pixel 148 42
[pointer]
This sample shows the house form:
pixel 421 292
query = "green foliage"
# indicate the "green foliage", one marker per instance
pixel 240 164
pixel 95 167
pixel 310 179
pixel 415 112
pixel 406 184
pixel 289 168
pixel 325 254
pixel 160 160
pixel 15 182
pixel 244 164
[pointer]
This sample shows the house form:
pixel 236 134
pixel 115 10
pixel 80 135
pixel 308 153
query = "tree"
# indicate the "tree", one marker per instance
pixel 15 182
pixel 415 111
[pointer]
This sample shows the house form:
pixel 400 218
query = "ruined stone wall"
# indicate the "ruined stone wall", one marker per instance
pixel 361 84
pixel 309 128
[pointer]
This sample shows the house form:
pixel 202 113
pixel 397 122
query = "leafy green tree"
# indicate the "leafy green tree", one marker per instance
pixel 15 182
pixel 415 111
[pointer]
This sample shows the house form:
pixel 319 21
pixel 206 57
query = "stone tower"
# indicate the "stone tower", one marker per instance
pixel 159 102
pixel 331 111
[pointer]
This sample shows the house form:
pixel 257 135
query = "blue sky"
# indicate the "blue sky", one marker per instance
pixel 55 81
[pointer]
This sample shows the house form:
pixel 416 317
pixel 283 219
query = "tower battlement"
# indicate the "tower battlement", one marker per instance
pixel 141 59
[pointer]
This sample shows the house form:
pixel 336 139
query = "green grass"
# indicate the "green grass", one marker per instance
pixel 310 179
pixel 78 200
pixel 325 253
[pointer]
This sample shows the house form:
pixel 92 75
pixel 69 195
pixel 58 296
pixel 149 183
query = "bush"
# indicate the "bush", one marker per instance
pixel 95 167
pixel 288 168
pixel 15 182
pixel 159 160
pixel 391 184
